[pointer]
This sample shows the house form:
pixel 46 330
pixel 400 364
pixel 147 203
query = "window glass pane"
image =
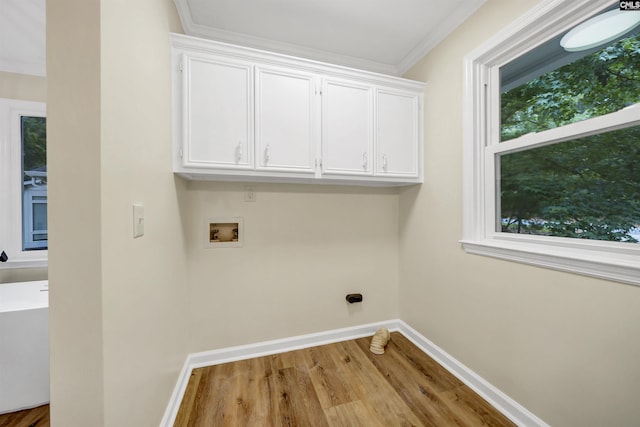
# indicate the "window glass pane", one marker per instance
pixel 34 188
pixel 39 216
pixel 585 188
pixel 549 87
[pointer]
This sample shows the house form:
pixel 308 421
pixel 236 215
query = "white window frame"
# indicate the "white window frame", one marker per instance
pixel 11 183
pixel 616 261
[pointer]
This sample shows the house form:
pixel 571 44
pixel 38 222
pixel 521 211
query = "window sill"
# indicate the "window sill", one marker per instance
pixel 588 258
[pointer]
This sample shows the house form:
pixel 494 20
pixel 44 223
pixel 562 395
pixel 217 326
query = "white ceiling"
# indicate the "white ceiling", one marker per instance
pixel 22 36
pixel 387 36
pixel 376 35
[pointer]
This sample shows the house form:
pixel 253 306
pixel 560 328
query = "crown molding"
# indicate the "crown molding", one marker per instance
pixel 197 30
pixel 433 38
pixel 438 34
pixel 288 49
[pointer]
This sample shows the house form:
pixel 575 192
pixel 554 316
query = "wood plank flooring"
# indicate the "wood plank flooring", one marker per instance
pixel 340 384
pixel 36 417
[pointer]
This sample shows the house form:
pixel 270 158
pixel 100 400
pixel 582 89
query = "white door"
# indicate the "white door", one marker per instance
pixel 347 128
pixel 286 120
pixel 218 113
pixel 397 138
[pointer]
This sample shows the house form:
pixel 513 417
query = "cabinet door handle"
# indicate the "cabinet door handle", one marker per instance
pixel 365 161
pixel 266 155
pixel 384 162
pixel 239 152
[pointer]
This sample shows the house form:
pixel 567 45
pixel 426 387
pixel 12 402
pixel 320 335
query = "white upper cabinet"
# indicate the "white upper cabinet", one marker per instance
pixel 347 127
pixel 247 115
pixel 218 113
pixel 285 120
pixel 398 133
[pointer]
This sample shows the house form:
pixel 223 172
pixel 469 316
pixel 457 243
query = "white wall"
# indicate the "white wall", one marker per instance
pixel 305 248
pixel 562 345
pixel 118 305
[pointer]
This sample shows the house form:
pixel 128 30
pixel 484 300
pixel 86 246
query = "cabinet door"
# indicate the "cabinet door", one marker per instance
pixel 397 139
pixel 347 128
pixel 218 120
pixel 286 116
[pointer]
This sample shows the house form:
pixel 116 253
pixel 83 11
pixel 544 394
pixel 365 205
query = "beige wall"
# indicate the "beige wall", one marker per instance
pixel 144 279
pixel 564 346
pixel 75 241
pixel 118 305
pixel 23 274
pixel 22 86
pixel 125 312
pixel 305 248
pixel 28 88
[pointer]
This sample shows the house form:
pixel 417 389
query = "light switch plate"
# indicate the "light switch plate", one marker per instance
pixel 138 220
pixel 249 193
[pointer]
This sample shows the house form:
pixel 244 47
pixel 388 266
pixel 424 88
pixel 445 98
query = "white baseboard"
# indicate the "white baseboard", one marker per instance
pixel 507 406
pixel 232 354
pixel 503 403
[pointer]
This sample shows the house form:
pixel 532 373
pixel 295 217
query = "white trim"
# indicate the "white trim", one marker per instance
pixel 289 49
pixel 192 29
pixel 265 348
pixel 503 403
pixel 462 12
pixel 438 34
pixel 627 117
pixel 552 16
pixel 571 261
pixel 194 45
pixel 11 184
pixel 25 408
pixel 606 260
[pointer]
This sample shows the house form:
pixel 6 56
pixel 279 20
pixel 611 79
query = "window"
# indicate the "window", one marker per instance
pixel 33 135
pixel 23 183
pixel 552 166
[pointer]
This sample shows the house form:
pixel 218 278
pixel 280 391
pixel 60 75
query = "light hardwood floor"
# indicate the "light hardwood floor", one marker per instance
pixel 36 417
pixel 340 384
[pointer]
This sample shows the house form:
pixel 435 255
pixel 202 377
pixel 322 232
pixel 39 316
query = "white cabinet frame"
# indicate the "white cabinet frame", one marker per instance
pixel 398 133
pixel 347 127
pixel 286 120
pixel 314 145
pixel 217 95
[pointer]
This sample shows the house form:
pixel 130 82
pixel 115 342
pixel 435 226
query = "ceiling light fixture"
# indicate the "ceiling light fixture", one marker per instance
pixel 600 29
